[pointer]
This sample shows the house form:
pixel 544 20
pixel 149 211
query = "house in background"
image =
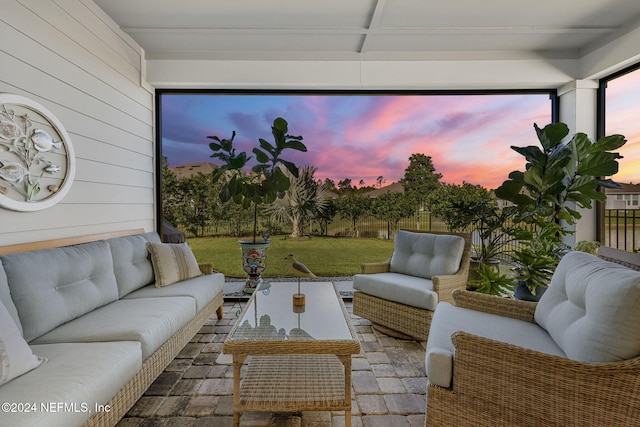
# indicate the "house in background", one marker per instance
pixel 627 197
pixel 95 65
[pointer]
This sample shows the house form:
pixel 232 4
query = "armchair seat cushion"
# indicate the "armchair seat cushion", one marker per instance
pixel 404 289
pixel 439 359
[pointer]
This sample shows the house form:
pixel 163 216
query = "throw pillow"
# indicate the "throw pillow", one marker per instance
pixel 172 263
pixel 16 358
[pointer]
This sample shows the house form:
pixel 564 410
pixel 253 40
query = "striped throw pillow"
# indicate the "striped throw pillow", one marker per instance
pixel 172 263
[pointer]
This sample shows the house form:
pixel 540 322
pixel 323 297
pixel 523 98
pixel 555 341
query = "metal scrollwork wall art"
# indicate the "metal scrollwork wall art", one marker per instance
pixel 37 161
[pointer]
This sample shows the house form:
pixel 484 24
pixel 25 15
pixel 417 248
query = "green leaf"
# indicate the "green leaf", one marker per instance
pixel 239 161
pixel 532 153
pixel 281 125
pixel 266 145
pixel 551 135
pixel 599 164
pixel 296 145
pixel 608 143
pixel 608 183
pixel 213 146
pixel 291 167
pixel 533 177
pixel 261 156
pixel 508 189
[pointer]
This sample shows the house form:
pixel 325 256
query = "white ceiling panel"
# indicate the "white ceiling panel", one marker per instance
pixel 369 29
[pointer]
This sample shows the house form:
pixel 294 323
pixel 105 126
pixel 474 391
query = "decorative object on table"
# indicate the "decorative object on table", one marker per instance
pixel 261 186
pixel 300 270
pixel 558 175
pixel 37 161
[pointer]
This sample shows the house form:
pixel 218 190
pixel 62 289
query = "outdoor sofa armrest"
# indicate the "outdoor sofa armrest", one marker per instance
pixel 516 309
pixel 375 267
pixel 496 383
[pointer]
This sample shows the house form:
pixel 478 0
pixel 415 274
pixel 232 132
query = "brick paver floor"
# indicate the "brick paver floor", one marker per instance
pixel 196 389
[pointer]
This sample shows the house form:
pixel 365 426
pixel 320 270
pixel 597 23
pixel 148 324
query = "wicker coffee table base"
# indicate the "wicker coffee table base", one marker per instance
pixel 294 382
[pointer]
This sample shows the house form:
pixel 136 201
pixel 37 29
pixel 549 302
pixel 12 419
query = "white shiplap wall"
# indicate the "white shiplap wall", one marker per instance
pixel 70 57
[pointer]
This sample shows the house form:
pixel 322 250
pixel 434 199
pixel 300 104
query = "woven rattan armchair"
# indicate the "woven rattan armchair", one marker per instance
pixel 498 384
pixel 403 320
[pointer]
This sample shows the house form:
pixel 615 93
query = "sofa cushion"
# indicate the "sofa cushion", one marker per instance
pixel 150 321
pixel 53 286
pixel 131 262
pixel 426 255
pixel 408 290
pixel 447 319
pixel 16 358
pixel 80 376
pixel 592 309
pixel 172 263
pixel 202 288
pixel 5 298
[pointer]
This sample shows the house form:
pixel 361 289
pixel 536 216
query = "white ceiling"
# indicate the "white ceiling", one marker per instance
pixel 371 29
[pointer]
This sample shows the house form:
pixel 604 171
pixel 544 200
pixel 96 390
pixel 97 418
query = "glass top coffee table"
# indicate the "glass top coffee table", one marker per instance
pixel 298 357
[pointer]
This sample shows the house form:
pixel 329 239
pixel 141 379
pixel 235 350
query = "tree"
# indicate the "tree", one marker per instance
pixel 354 206
pixel 379 181
pixel 392 207
pixel 198 198
pixel 420 178
pixel 344 186
pixel 171 197
pixel 445 201
pixel 330 185
pixel 305 199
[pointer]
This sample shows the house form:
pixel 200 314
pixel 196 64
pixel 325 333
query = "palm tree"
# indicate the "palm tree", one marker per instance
pixel 304 200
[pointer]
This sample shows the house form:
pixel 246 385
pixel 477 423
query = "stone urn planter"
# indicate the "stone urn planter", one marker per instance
pixel 254 257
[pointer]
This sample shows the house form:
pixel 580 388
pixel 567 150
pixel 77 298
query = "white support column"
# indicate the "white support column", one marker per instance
pixel 578 110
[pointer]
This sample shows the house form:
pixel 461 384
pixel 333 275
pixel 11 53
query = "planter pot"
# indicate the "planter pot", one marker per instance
pixel 522 292
pixel 254 257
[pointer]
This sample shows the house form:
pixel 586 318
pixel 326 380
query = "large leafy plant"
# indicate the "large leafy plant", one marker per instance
pixel 266 181
pixel 558 175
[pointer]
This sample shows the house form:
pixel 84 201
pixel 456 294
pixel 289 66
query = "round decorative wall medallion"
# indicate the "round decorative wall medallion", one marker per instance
pixel 37 162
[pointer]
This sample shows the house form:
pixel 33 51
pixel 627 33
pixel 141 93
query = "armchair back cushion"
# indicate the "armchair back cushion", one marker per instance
pixel 592 309
pixel 426 255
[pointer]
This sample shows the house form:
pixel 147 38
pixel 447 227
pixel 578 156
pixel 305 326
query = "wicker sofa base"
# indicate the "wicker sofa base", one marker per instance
pixel 125 398
pixel 407 320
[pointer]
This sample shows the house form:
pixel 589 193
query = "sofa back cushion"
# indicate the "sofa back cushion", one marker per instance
pixel 426 255
pixel 53 286
pixel 131 262
pixel 592 309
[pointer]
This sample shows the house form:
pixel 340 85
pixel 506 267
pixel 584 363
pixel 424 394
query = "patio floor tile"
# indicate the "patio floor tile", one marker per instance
pixel 196 389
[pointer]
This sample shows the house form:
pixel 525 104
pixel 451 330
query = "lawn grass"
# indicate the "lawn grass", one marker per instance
pixel 325 256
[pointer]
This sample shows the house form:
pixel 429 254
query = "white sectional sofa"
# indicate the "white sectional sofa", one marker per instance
pixel 99 328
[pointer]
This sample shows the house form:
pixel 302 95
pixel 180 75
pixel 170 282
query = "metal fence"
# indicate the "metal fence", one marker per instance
pixel 622 229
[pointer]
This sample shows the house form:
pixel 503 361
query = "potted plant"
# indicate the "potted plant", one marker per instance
pixel 489 280
pixel 493 231
pixel 559 175
pixel 265 182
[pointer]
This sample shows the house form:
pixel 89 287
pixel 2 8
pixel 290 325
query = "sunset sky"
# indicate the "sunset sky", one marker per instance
pixel 364 137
